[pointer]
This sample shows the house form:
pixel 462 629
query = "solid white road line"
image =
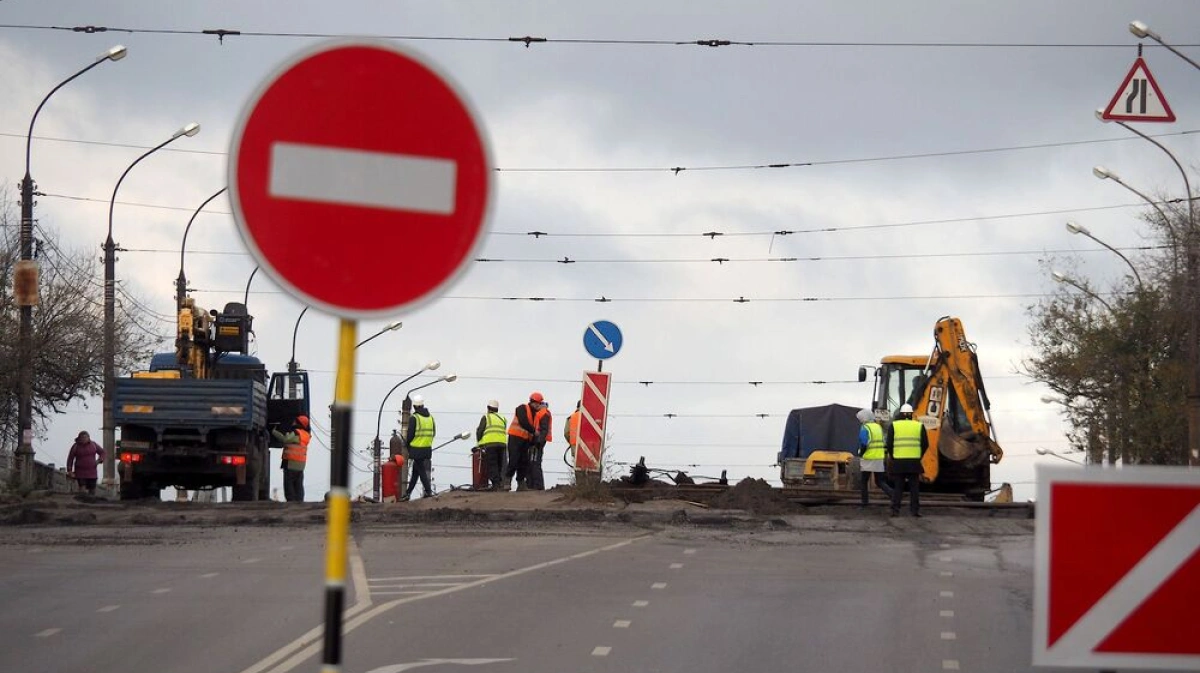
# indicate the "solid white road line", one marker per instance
pixel 208 575
pixel 362 178
pixel 676 566
pixel 358 574
pixel 622 624
pixel 108 608
pixel 659 585
pixel 413 578
pixel 47 633
pixel 640 604
pixel 310 643
pixel 601 651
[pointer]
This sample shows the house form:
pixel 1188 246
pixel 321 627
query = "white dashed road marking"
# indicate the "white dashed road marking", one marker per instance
pixel 47 633
pixel 621 624
pixel 252 560
pixel 689 551
pixel 949 635
pixel 946 573
pixel 946 613
pixel 659 585
pixel 161 591
pixel 206 576
pixel 945 545
pixel 946 594
pixel 108 608
pixel 945 559
pixel 640 604
pixel 601 651
pixel 676 566
pixel 286 548
pixel 949 664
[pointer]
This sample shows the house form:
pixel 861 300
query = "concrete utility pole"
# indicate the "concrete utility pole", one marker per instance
pixel 25 289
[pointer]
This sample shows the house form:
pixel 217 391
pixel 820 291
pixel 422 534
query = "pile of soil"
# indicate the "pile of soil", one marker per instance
pixel 753 495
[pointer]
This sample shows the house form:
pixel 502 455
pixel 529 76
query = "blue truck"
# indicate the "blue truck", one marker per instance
pixel 200 418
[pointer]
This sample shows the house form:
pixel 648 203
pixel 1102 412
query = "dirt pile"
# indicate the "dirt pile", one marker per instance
pixel 753 495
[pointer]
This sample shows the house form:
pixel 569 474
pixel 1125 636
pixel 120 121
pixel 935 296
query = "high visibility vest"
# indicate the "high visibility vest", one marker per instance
pixel 906 439
pixel 875 448
pixel 573 428
pixel 423 437
pixel 493 432
pixel 298 453
pixel 515 429
pixel 544 412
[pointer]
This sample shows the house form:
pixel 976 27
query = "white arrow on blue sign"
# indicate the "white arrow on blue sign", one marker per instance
pixel 602 339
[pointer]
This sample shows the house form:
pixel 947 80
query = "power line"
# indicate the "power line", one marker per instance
pixel 702 300
pixel 676 170
pixel 528 40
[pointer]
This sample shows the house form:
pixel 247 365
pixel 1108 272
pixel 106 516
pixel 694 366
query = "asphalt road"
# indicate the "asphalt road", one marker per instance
pixel 864 595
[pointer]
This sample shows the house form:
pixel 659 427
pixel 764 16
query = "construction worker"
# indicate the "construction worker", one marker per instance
pixel 571 429
pixel 419 438
pixel 490 437
pixel 295 456
pixel 529 426
pixel 871 452
pixel 906 442
pixel 535 480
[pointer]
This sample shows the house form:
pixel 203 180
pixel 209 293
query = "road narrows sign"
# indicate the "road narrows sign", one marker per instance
pixel 1117 568
pixel 593 412
pixel 1138 99
pixel 361 178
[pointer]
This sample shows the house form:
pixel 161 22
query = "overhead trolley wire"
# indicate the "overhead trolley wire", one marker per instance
pixel 677 169
pixel 528 40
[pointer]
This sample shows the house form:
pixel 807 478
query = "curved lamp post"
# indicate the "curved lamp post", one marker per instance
pixel 26 271
pixel 1076 228
pixel 1048 452
pixel 378 446
pixel 1143 31
pixel 181 281
pixel 1063 278
pixel 110 337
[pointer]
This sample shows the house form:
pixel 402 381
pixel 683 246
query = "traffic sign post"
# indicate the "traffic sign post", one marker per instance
pixel 602 340
pixel 593 419
pixel 1117 568
pixel 361 180
pixel 1138 99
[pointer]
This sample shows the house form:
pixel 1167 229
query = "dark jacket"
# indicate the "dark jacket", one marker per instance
pixel 411 433
pixel 903 465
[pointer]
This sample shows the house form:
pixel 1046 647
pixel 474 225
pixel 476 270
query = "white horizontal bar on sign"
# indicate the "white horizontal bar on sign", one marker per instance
pixel 363 178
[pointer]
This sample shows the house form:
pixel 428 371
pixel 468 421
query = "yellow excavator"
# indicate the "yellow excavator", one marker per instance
pixel 947 395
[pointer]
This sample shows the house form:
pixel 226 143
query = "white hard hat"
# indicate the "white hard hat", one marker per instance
pixel 495 404
pixel 865 415
pixel 418 400
pixel 906 409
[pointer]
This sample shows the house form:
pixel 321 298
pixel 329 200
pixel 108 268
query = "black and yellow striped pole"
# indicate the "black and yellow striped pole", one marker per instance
pixel 338 527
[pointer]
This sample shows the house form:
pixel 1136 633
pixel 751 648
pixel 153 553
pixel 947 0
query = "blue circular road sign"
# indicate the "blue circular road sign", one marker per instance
pixel 602 339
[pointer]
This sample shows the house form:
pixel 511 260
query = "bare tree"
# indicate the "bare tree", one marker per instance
pixel 67 328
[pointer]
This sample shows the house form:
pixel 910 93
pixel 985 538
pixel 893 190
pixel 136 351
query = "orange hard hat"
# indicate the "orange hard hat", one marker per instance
pixel 302 420
pixel 536 397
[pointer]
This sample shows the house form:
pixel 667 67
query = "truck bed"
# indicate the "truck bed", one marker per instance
pixel 195 403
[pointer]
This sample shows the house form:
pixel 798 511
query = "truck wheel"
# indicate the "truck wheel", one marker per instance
pixel 132 489
pixel 264 474
pixel 248 492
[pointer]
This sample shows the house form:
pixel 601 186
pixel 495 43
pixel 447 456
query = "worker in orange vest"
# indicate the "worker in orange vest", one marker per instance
pixel 530 427
pixel 295 456
pixel 571 429
pixel 535 480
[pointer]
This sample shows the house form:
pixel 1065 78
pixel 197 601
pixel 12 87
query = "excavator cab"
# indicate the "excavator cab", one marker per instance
pixel 287 398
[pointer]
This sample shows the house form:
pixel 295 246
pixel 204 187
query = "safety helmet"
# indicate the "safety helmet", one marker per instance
pixel 906 408
pixel 302 420
pixel 418 400
pixel 865 415
pixel 536 397
pixel 495 404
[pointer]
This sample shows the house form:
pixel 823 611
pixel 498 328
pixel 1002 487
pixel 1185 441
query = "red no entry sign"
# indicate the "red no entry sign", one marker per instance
pixel 360 178
pixel 1117 568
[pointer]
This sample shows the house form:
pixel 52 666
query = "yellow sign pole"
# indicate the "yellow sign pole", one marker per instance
pixel 337 540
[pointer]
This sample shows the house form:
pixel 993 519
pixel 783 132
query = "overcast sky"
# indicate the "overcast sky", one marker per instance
pixel 993 215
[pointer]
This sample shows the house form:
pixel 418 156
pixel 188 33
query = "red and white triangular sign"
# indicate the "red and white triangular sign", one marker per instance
pixel 1138 99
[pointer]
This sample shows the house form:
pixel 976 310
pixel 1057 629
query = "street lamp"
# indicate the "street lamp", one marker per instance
pixel 391 327
pixel 1048 452
pixel 377 446
pixel 466 434
pixel 1076 228
pixel 110 282
pixel 181 281
pixel 25 284
pixel 1063 278
pixel 1105 174
pixel 1143 31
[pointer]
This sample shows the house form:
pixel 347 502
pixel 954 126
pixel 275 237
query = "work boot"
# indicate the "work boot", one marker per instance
pixel 521 486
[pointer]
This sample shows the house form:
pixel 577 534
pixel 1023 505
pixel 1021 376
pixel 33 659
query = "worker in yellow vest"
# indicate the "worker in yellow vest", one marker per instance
pixel 871 452
pixel 295 457
pixel 906 442
pixel 421 431
pixel 491 437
